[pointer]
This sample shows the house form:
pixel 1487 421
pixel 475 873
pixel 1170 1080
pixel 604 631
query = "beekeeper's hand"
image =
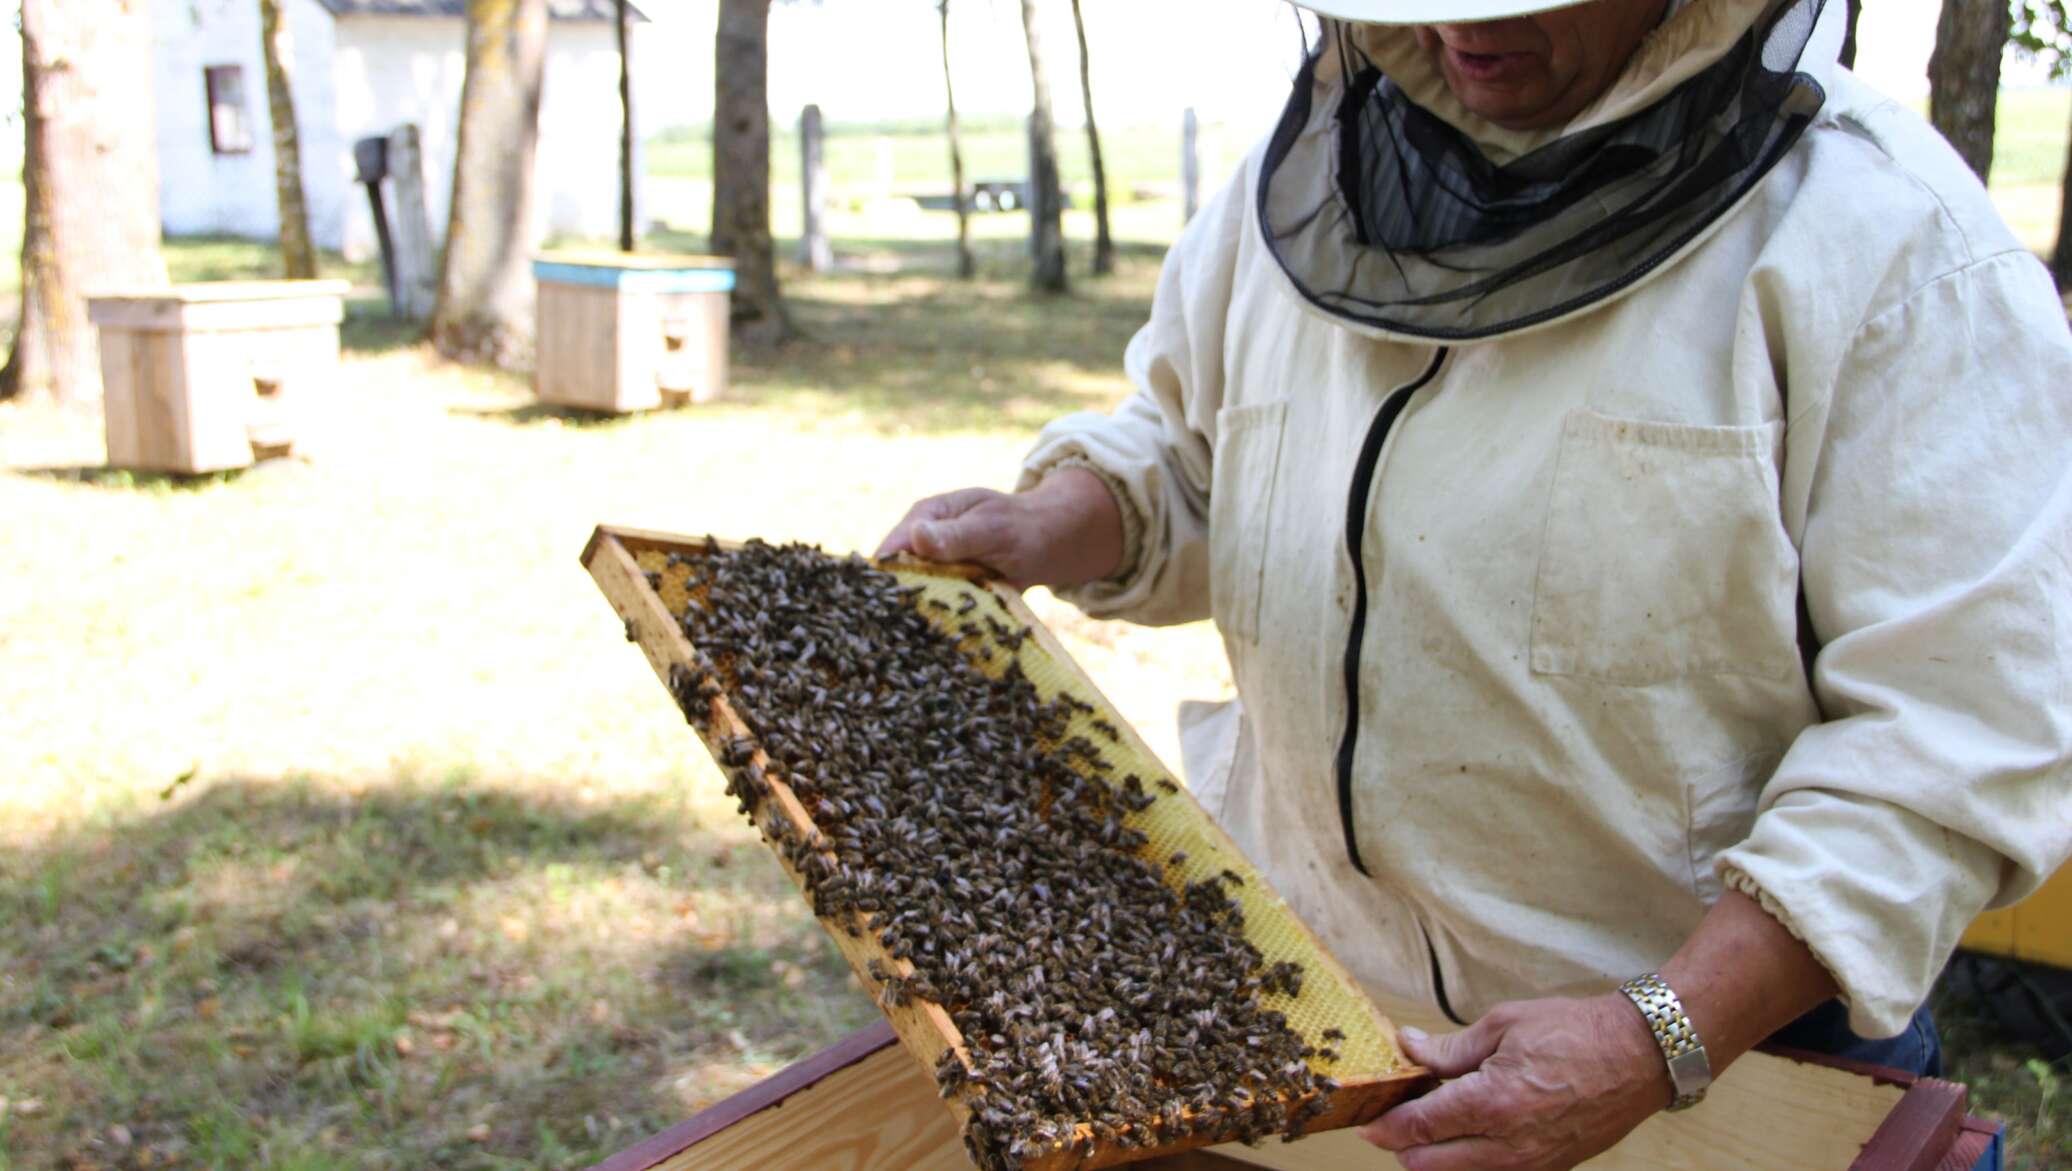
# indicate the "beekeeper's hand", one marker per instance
pixel 1542 1085
pixel 1538 1085
pixel 1065 531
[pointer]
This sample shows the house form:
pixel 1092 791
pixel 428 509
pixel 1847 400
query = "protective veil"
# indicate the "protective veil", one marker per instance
pixel 1390 216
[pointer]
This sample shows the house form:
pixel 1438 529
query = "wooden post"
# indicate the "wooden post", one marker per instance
pixel 417 260
pixel 814 251
pixel 883 147
pixel 1190 164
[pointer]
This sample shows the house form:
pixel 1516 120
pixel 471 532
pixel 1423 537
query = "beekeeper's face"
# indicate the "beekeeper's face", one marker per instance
pixel 1530 72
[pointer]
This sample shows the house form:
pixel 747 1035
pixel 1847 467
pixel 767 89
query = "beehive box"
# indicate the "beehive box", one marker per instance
pixel 206 377
pixel 641 576
pixel 620 332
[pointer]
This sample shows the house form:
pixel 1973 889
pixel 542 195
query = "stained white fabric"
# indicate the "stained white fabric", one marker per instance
pixel 1583 707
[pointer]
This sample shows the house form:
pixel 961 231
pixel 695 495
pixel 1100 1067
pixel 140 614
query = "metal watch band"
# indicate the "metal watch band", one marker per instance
pixel 1690 1072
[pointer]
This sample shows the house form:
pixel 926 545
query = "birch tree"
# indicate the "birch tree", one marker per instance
pixel 741 168
pixel 967 266
pixel 298 256
pixel 484 309
pixel 90 179
pixel 622 25
pixel 1046 196
pixel 1964 76
pixel 1104 244
pixel 2043 32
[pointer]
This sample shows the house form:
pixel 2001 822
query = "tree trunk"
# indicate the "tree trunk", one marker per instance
pixel 1046 196
pixel 1854 15
pixel 2061 255
pixel 741 167
pixel 967 266
pixel 484 311
pixel 626 227
pixel 1104 244
pixel 90 173
pixel 1964 76
pixel 298 256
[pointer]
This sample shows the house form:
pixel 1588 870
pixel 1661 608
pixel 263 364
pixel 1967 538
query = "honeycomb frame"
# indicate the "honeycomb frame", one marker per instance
pixel 1370 1070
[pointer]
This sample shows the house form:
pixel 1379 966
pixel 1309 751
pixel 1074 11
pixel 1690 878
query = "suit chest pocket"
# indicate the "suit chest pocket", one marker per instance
pixel 1664 555
pixel 1248 456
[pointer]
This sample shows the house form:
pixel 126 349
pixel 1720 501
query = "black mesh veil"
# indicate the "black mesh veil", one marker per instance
pixel 1385 215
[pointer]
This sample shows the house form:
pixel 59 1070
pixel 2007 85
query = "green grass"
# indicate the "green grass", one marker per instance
pixel 2030 129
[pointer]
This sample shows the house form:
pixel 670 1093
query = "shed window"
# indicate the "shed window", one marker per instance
pixel 230 126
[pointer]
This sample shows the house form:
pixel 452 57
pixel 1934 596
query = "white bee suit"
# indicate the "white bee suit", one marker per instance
pixel 1582 705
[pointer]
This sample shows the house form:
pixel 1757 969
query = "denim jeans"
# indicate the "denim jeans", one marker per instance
pixel 1825 1030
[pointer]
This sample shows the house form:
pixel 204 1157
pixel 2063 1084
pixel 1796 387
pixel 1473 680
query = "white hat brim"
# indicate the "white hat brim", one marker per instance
pixel 1429 11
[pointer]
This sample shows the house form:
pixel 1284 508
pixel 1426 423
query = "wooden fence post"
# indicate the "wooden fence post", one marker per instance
pixel 1190 164
pixel 814 251
pixel 417 274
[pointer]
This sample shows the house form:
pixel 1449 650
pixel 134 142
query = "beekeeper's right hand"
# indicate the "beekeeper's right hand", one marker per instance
pixel 1065 531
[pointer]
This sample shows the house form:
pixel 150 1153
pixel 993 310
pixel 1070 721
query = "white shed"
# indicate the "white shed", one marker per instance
pixel 361 68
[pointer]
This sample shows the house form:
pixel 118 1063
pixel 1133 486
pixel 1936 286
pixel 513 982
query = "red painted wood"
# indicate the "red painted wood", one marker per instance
pixel 1919 1131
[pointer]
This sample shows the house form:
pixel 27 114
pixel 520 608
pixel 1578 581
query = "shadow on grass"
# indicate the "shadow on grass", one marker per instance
pixel 128 480
pixel 369 329
pixel 538 414
pixel 282 974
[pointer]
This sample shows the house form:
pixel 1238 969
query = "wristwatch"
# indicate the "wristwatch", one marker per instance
pixel 1690 1071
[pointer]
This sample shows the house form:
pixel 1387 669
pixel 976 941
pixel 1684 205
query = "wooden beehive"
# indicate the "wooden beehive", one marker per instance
pixel 620 332
pixel 873 1111
pixel 2037 930
pixel 636 573
pixel 205 377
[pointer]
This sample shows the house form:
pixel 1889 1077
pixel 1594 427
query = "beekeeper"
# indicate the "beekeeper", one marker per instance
pixel 1626 458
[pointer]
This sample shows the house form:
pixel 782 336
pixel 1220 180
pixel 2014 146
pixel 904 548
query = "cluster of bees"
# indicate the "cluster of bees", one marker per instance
pixel 957 817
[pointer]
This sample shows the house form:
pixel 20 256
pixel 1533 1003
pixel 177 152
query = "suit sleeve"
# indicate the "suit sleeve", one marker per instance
pixel 1937 476
pixel 1156 452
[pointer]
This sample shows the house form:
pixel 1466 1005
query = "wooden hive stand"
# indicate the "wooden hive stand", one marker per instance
pixel 620 332
pixel 207 377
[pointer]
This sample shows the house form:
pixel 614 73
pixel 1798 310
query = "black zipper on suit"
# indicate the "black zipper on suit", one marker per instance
pixel 1355 540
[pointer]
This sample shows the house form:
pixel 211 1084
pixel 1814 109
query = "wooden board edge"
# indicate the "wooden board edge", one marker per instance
pixel 770 1092
pixel 1881 1074
pixel 924 1026
pixel 1920 1130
